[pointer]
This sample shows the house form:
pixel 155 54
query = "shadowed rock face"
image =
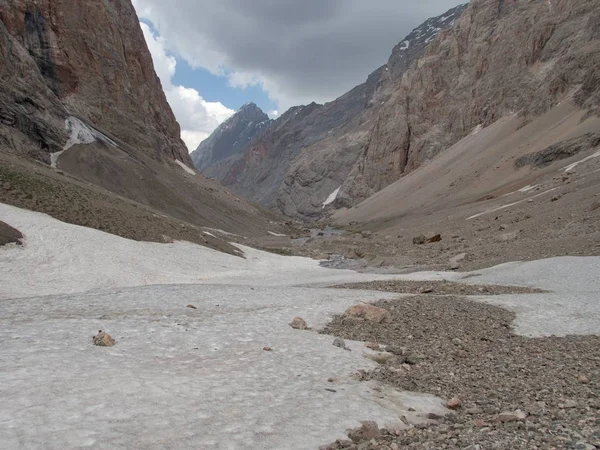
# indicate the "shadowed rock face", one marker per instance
pixel 61 58
pixel 307 153
pixel 232 137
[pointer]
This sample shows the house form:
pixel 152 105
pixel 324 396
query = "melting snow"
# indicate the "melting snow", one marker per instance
pixel 184 167
pixel 575 164
pixel 79 133
pixel 329 200
pixel 527 188
pixel 275 234
pixel 178 377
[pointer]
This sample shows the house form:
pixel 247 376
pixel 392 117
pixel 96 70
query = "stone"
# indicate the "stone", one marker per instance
pixel 427 238
pixel 556 198
pixel 298 323
pixel 568 404
pixel 267 349
pixel 595 206
pixel 507 417
pixel 583 379
pixel 191 306
pixel 373 346
pixel 584 446
pixel 103 339
pixel 368 313
pixel 368 430
pixel 458 258
pixel 379 357
pixel 339 342
pixel 508 237
pixel 454 403
pixel 166 239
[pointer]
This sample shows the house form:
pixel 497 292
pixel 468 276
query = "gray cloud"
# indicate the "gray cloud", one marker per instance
pixel 299 50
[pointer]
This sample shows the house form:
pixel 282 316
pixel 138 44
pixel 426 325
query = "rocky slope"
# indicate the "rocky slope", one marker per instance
pixel 500 58
pixel 78 92
pixel 232 137
pixel 303 156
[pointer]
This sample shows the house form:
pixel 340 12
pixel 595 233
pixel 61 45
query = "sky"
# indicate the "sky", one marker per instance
pixel 214 56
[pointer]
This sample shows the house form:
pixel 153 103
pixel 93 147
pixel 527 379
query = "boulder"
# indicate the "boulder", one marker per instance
pixel 298 323
pixel 368 313
pixel 103 339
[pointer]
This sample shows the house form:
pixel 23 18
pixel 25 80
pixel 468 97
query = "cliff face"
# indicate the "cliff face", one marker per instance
pixel 63 58
pixel 230 138
pixel 303 156
pixel 79 94
pixel 500 58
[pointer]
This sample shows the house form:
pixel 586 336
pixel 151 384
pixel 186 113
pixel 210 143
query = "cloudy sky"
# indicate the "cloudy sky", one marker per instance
pixel 214 56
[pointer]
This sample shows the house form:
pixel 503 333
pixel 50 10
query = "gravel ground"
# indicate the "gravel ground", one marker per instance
pixel 438 288
pixel 515 392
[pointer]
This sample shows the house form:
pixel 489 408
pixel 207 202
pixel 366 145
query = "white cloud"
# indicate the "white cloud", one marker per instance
pixel 197 117
pixel 297 51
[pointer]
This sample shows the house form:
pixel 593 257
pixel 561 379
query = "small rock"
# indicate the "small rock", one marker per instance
pixel 530 200
pixel 583 379
pixel 508 237
pixel 368 430
pixel 503 226
pixel 595 206
pixel 556 198
pixel 191 307
pixel 165 239
pixel 339 342
pixel 515 416
pixel 373 346
pixel 267 349
pixel 380 357
pixel 427 238
pixel 298 323
pixel 584 446
pixel 454 403
pixel 568 404
pixel 103 339
pixel 367 313
pixel 394 446
pixel 426 291
pixel 366 234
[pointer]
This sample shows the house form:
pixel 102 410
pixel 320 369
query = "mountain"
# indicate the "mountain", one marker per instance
pixel 83 116
pixel 500 58
pixel 231 137
pixel 306 154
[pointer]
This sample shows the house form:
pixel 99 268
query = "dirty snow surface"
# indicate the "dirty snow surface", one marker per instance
pixel 570 307
pixel 178 377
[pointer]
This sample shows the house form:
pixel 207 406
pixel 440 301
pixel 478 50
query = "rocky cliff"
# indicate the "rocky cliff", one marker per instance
pixel 230 138
pixel 307 153
pixel 500 58
pixel 63 58
pixel 87 135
